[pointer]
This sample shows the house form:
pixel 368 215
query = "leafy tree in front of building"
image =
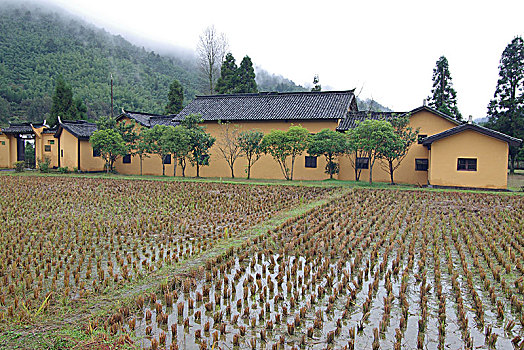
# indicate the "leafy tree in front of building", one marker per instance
pixel 396 149
pixel 506 110
pixel 330 144
pixel 199 140
pixel 157 143
pixel 284 145
pixel 64 105
pixel 175 98
pixel 443 96
pixel 373 137
pixel 177 140
pixel 110 144
pixel 250 145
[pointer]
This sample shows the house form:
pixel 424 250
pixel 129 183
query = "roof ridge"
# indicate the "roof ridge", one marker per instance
pixel 276 93
pixel 145 113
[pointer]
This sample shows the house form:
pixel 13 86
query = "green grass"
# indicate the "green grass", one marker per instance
pixel 513 184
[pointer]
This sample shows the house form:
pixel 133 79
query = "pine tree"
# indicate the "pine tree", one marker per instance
pixel 63 104
pixel 246 75
pixel 506 110
pixel 444 97
pixel 229 78
pixel 175 98
pixel 316 82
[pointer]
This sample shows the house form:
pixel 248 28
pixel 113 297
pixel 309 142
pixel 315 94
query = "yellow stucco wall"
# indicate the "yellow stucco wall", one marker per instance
pixel 428 124
pixel 491 155
pixel 87 161
pixel 68 151
pixel 50 140
pixel 5 151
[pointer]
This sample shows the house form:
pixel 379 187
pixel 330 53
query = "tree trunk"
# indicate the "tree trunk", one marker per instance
pixel 232 173
pixel 198 170
pixel 163 169
pixel 512 157
pixel 370 172
pixel 248 167
pixel 330 167
pixel 174 166
pixel 292 167
pixel 391 170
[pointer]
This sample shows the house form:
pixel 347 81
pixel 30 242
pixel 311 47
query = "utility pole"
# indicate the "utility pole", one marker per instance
pixel 111 95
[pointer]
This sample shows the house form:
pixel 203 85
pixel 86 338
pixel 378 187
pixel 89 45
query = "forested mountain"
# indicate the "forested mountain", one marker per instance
pixel 38 44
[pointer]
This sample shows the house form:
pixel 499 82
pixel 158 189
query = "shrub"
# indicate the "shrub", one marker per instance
pixel 63 170
pixel 43 165
pixel 19 166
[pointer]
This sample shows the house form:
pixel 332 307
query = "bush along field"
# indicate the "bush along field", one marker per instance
pixel 374 269
pixel 70 239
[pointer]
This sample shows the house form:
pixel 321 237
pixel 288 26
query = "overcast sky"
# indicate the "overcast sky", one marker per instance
pixel 385 49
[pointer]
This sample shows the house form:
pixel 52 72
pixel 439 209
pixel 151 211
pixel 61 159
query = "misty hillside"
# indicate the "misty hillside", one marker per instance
pixel 37 45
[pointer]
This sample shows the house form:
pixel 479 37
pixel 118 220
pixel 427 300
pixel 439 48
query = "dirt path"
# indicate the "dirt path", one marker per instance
pixel 42 333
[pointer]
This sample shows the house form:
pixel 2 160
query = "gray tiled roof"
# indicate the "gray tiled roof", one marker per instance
pixel 21 128
pixel 353 118
pixel 148 119
pixel 480 129
pixel 272 106
pixel 79 128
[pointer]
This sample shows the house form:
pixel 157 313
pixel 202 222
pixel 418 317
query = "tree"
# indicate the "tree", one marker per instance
pixel 177 141
pixel 330 144
pixel 506 110
pixel 228 144
pixel 175 98
pixel 200 142
pixel 373 137
pixel 316 82
pixel 229 78
pixel 63 104
pixel 211 49
pixel 110 144
pixel 396 149
pixel 142 147
pixel 246 76
pixel 157 142
pixel 355 152
pixel 284 144
pixel 249 142
pixel 444 96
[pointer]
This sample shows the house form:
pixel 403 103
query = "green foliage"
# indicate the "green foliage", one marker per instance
pixel 373 138
pixel 316 83
pixel 64 105
pixel 444 96
pixel 19 166
pixel 506 110
pixel 235 79
pixel 250 145
pixel 175 98
pixel 38 44
pixel 330 144
pixel 396 149
pixel 200 142
pixel 246 76
pixel 156 143
pixel 284 144
pixel 110 144
pixel 43 165
pixel 63 170
pixel 177 142
pixel 229 78
pixel 29 155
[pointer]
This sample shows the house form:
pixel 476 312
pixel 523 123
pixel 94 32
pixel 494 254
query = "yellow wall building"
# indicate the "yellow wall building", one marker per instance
pixel 448 153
